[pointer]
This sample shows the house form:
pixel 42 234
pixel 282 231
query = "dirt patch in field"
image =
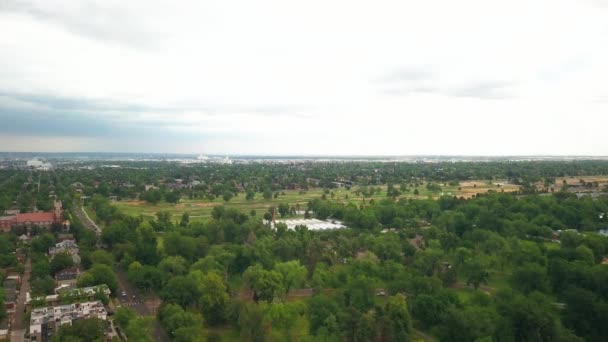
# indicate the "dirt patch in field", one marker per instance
pixel 134 203
pixel 198 205
pixel 473 183
pixel 468 189
pixel 177 206
pixel 576 180
pixel 468 193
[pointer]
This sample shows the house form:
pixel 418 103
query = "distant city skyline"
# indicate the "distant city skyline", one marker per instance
pixel 40 157
pixel 314 78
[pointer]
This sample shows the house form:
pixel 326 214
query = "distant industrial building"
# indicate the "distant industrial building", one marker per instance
pixel 38 165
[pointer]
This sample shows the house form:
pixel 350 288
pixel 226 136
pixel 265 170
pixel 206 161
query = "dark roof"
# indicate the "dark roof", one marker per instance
pixel 68 274
pixel 10 294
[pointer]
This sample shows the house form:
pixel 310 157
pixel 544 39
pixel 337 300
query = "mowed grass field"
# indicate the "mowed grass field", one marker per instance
pixel 200 209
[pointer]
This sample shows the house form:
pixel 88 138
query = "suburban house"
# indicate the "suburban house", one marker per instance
pixel 11 291
pixel 66 246
pixel 68 276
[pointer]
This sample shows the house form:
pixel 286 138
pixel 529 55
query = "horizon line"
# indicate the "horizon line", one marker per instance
pixel 308 155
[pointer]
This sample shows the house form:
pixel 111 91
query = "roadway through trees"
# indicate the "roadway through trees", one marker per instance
pixel 128 295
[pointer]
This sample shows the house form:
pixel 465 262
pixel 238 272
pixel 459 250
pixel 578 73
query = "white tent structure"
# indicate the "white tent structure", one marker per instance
pixel 312 224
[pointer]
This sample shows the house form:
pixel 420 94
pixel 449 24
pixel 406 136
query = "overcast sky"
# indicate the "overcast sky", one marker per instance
pixel 305 77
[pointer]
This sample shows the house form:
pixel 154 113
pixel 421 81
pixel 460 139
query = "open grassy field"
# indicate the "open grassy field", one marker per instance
pixel 200 209
pixel 574 181
pixel 601 180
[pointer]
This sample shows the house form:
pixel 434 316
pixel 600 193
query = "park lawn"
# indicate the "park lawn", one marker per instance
pixel 222 333
pixel 200 209
pixel 499 280
pixel 160 243
pixel 463 294
pixel 419 335
pixel 575 180
pixel 551 246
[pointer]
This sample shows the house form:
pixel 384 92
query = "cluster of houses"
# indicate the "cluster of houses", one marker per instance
pixel 66 278
pixel 179 184
pixel 46 320
pixel 68 303
pixel 11 286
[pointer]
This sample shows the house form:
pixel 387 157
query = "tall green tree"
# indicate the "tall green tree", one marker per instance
pixel 293 274
pixel 264 284
pixel 398 323
pixel 214 299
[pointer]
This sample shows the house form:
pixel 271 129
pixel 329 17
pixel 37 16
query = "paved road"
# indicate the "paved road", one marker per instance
pixel 18 327
pixel 128 296
pixel 133 299
pixel 86 220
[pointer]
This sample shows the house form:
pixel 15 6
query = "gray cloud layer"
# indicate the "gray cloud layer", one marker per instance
pixel 412 81
pixel 53 115
pixel 103 22
pixel 302 77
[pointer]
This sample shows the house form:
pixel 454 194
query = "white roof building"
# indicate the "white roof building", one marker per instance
pixel 51 318
pixel 312 224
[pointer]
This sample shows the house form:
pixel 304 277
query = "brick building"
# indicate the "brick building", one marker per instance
pixel 28 220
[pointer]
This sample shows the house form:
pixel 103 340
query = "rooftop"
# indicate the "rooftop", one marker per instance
pixel 68 273
pixel 35 217
pixel 312 224
pixel 65 314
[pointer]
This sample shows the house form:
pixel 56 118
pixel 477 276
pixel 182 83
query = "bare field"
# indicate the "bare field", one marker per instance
pixel 602 180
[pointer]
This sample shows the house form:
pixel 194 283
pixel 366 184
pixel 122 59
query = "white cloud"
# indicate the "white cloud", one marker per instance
pixel 316 77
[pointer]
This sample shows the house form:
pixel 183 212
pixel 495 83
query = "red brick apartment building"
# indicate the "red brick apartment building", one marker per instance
pixel 28 220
